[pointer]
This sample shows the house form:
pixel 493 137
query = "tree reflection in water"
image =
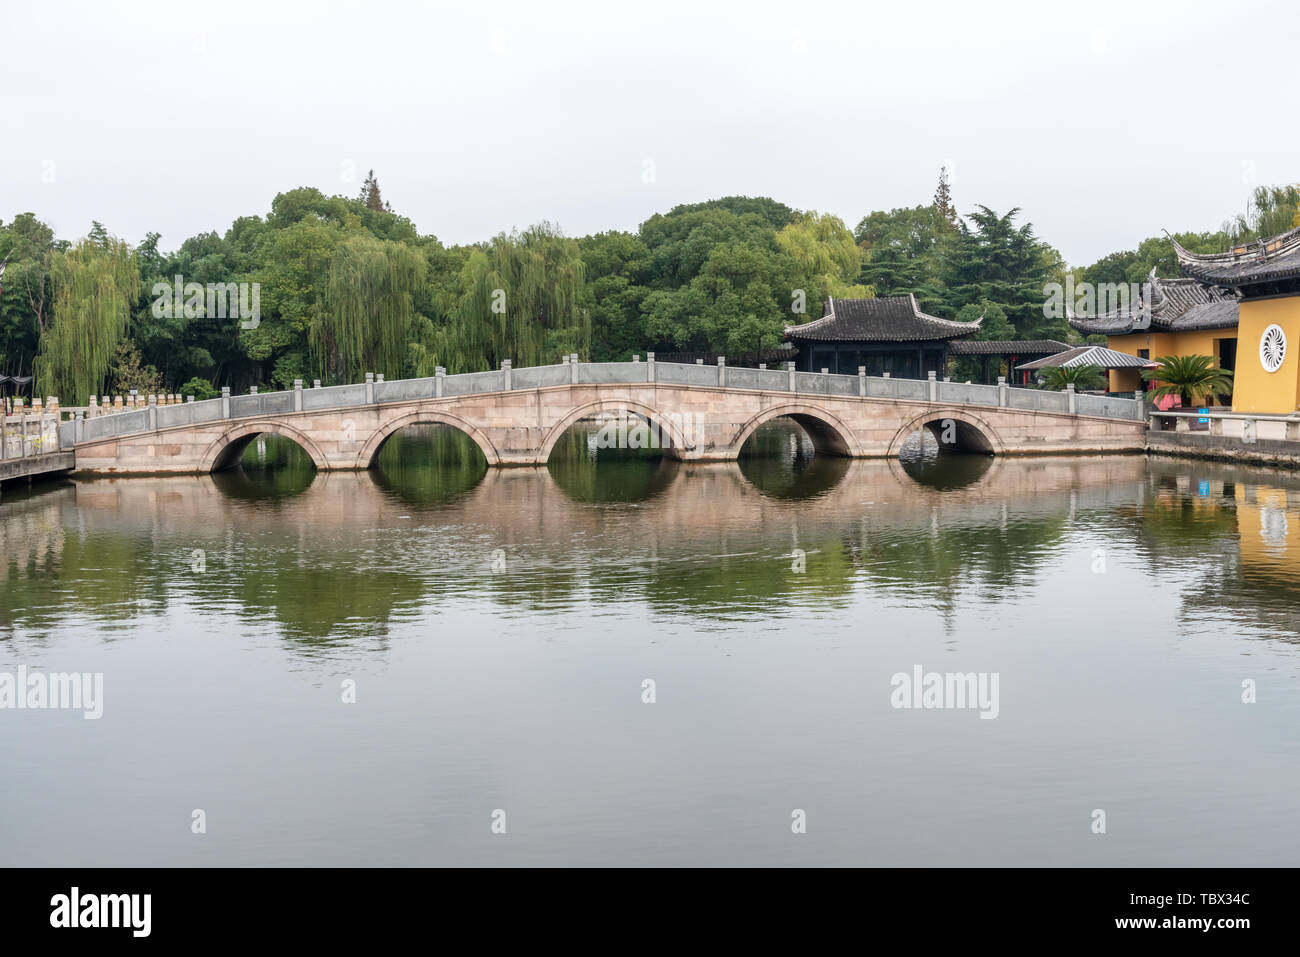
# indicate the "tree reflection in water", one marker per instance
pixel 592 475
pixel 429 466
pixel 272 469
pixel 779 460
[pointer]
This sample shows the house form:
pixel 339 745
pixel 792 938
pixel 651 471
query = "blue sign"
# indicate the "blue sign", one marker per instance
pixel 1203 412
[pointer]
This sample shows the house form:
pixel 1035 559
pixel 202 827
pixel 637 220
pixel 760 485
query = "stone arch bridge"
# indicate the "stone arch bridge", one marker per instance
pixel 703 413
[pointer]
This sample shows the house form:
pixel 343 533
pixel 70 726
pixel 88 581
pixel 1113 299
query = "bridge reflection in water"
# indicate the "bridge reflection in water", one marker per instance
pixel 936 528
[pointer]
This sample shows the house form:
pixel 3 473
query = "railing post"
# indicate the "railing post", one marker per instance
pixel 370 388
pixel 297 395
pixel 789 369
pixel 252 390
pixel 826 381
pixel 78 428
pixel 650 367
pixel 153 413
pixel 315 383
pixel 1153 422
pixel 225 401
pixel 1216 427
pixel 722 372
pixel 573 368
pixel 1141 403
pixel 439 373
pixel 1182 424
pixel 933 386
pixel 1004 396
pixel 1070 403
pixel 862 381
pixel 505 368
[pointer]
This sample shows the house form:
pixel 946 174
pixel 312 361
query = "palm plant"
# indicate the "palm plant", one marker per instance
pixel 1081 377
pixel 1189 377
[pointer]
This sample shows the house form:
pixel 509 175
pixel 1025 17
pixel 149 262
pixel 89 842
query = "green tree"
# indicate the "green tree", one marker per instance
pixel 29 246
pixel 827 259
pixel 1269 211
pixel 129 373
pixel 612 293
pixel 943 207
pixel 368 309
pixel 199 388
pixel 995 261
pixel 520 300
pixel 370 195
pixel 94 284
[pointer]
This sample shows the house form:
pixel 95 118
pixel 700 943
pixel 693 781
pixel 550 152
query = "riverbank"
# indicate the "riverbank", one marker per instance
pixel 1278 453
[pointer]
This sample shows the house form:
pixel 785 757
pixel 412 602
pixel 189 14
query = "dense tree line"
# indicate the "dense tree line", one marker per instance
pixel 348 285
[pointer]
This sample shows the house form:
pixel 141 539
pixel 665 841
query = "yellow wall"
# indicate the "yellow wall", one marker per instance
pixel 1158 344
pixel 1268 541
pixel 1256 390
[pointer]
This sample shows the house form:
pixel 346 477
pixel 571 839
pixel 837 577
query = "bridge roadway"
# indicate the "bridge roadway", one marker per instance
pixel 515 416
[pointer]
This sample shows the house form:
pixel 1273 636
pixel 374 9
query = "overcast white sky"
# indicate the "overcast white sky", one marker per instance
pixel 1105 121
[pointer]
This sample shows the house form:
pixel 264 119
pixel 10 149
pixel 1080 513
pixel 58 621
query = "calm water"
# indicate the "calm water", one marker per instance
pixel 499 626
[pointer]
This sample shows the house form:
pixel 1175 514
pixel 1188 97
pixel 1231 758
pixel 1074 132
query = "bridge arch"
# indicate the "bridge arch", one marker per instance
pixel 829 434
pixel 224 451
pixel 676 447
pixel 370 451
pixel 973 433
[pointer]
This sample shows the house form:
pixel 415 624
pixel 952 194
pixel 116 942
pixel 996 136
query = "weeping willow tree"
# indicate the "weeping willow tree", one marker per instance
pixel 95 284
pixel 520 302
pixel 828 257
pixel 368 309
pixel 1270 210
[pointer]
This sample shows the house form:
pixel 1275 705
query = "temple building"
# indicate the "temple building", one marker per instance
pixel 887 334
pixel 1264 276
pixel 1175 317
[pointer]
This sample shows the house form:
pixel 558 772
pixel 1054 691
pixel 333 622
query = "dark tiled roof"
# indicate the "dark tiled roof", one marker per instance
pixel 1007 347
pixel 1262 261
pixel 883 319
pixel 1175 305
pixel 775 354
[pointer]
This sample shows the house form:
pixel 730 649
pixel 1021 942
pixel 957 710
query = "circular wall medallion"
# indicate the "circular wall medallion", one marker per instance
pixel 1272 348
